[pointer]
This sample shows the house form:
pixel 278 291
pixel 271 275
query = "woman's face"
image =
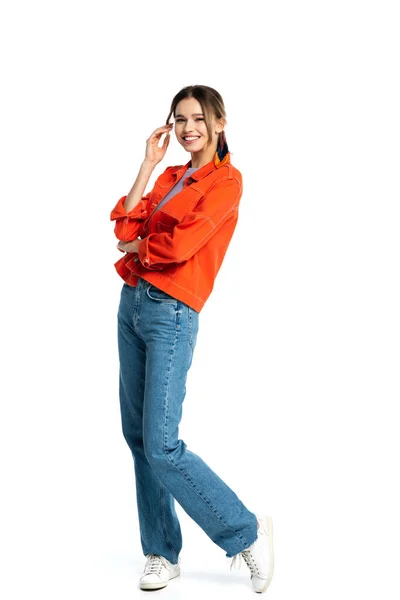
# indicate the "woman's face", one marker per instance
pixel 190 123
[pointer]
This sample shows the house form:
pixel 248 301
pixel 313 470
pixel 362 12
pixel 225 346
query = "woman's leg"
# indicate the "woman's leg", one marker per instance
pixel 169 328
pixel 160 531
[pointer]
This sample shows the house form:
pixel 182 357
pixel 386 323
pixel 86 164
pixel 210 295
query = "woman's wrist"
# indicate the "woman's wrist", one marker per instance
pixel 148 165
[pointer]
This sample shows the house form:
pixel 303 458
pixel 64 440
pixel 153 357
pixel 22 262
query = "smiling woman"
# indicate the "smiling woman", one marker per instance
pixel 189 139
pixel 175 239
pixel 203 129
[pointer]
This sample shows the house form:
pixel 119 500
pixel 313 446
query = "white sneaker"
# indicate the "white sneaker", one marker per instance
pixel 157 572
pixel 259 557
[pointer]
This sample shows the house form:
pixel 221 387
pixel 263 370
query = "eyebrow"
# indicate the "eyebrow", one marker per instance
pixel 193 115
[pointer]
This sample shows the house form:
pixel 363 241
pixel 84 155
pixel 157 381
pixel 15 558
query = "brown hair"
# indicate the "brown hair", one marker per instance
pixel 211 104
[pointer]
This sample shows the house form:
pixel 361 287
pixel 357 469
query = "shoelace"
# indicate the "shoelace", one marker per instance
pixel 248 557
pixel 154 564
pixel 249 560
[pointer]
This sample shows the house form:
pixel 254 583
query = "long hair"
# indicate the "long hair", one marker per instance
pixel 211 103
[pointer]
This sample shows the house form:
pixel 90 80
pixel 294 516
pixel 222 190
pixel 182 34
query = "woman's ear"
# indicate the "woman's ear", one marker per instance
pixel 220 125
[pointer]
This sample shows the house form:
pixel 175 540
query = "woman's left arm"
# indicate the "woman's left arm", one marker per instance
pixel 219 205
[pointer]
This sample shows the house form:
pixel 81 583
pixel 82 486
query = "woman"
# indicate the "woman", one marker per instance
pixel 175 239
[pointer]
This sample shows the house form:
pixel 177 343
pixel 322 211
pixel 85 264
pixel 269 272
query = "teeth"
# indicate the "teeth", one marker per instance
pixel 191 138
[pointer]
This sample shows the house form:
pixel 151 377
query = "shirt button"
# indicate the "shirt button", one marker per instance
pixel 136 259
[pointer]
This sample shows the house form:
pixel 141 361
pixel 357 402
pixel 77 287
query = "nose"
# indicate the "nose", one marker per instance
pixel 188 128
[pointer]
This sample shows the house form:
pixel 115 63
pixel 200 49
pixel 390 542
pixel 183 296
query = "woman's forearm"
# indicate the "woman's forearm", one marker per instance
pixel 137 191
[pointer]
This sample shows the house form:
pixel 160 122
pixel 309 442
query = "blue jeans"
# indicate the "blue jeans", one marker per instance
pixel 156 339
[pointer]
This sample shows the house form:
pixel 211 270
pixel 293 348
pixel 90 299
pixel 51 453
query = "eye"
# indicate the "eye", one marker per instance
pixel 197 119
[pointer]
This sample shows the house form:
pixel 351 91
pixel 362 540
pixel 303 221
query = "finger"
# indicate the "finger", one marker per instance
pixel 161 130
pixel 166 140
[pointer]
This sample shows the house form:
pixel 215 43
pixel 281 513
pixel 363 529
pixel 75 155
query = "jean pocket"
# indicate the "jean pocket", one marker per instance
pixel 154 293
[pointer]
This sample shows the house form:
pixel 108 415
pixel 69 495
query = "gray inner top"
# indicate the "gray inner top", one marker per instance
pixel 177 187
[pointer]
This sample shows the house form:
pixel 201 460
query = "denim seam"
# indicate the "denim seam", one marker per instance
pixel 121 325
pixel 170 546
pixel 190 332
pixel 239 536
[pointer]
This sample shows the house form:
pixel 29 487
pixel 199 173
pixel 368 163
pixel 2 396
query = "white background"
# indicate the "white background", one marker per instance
pixel 292 397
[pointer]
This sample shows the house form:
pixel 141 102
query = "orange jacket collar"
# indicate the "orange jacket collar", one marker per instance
pixel 205 169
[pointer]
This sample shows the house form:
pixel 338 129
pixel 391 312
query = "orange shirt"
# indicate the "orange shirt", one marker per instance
pixel 184 243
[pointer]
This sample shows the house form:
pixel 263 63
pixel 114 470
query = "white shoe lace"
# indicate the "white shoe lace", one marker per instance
pixel 249 560
pixel 154 564
pixel 248 556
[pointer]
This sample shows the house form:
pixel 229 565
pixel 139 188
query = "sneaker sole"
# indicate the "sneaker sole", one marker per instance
pixel 268 524
pixel 156 586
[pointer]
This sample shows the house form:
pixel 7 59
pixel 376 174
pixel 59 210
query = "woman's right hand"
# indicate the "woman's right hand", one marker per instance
pixel 154 153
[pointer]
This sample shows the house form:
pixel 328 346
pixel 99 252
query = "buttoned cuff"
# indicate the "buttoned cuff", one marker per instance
pixel 143 253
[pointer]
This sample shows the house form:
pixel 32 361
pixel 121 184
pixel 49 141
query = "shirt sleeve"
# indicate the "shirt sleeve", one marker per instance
pixel 127 224
pixel 220 204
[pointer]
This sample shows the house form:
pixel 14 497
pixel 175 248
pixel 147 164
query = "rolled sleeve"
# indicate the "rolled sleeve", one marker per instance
pixel 128 223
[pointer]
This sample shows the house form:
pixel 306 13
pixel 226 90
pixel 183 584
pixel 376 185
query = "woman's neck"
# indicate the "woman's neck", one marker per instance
pixel 201 158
